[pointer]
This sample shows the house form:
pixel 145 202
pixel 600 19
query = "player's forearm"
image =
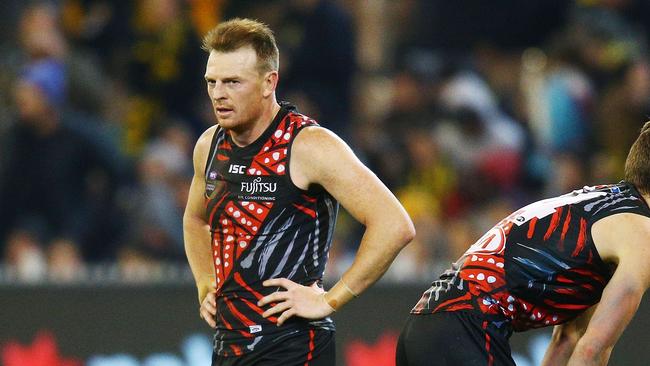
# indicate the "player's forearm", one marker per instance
pixel 619 302
pixel 377 251
pixel 560 349
pixel 196 235
pixel 380 245
pixel 590 354
pixel 557 355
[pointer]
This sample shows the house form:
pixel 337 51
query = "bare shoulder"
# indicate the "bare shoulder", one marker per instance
pixel 316 139
pixel 202 148
pixel 621 234
pixel 203 143
pixel 318 154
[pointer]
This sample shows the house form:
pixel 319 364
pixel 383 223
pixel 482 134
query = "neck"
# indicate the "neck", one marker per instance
pixel 646 197
pixel 246 136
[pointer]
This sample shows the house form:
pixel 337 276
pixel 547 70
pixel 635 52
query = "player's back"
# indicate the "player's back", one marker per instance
pixel 538 266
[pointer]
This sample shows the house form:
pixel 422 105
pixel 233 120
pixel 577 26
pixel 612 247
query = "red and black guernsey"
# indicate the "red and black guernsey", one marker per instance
pixel 537 267
pixel 263 227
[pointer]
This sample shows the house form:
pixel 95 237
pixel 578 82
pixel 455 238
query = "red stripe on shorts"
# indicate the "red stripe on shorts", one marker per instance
pixel 487 344
pixel 311 347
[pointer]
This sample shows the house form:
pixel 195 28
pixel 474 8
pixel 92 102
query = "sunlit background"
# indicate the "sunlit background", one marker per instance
pixel 465 109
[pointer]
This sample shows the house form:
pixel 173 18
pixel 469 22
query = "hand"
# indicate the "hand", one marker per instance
pixel 208 309
pixel 299 300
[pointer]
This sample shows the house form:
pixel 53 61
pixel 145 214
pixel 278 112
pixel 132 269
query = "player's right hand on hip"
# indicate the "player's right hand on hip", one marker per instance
pixel 208 310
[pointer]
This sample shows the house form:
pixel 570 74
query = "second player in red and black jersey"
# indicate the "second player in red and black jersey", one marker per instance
pixel 263 227
pixel 537 267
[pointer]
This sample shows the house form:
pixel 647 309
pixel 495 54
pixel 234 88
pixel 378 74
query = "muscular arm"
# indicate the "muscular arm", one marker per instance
pixel 623 238
pixel 320 157
pixel 564 339
pixel 196 231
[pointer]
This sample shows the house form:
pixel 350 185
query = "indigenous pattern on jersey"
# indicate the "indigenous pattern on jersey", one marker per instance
pixel 263 227
pixel 538 266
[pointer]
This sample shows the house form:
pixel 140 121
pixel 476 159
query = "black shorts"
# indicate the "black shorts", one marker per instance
pixel 302 348
pixel 454 339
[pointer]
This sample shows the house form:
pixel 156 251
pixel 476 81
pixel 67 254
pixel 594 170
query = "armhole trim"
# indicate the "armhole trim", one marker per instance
pixel 312 190
pixel 213 150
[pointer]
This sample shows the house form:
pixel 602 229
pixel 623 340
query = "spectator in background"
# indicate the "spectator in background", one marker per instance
pixel 42 37
pixel 24 253
pixel 99 28
pixel 55 174
pixel 480 153
pixel 410 114
pixel 164 168
pixel 318 41
pixel 483 143
pixel 65 262
pixel 165 70
pixel 568 97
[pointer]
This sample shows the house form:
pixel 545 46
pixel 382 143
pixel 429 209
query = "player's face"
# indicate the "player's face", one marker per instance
pixel 236 88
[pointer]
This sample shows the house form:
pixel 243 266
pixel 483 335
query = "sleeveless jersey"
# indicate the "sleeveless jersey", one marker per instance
pixel 537 267
pixel 263 227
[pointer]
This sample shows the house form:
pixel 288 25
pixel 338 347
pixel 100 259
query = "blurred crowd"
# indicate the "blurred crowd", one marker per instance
pixel 465 109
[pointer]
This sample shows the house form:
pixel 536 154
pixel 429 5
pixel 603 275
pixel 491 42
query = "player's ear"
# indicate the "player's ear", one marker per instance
pixel 270 83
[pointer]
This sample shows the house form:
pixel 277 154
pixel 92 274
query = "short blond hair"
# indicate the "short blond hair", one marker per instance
pixel 637 165
pixel 240 32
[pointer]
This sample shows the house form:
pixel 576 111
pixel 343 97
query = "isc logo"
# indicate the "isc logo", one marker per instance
pixel 236 169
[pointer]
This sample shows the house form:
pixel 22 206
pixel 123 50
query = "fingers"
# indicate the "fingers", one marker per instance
pixel 286 315
pixel 277 309
pixel 274 297
pixel 279 295
pixel 210 306
pixel 208 310
pixel 208 317
pixel 283 282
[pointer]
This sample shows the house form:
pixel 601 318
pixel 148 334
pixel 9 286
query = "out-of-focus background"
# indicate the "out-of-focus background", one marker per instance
pixel 465 109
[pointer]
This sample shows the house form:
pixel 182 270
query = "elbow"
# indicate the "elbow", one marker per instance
pixel 410 234
pixel 187 221
pixel 192 222
pixel 406 232
pixel 593 352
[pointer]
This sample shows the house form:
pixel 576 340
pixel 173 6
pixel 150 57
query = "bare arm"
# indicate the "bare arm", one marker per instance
pixel 564 339
pixel 196 231
pixel 326 160
pixel 623 238
pixel 320 157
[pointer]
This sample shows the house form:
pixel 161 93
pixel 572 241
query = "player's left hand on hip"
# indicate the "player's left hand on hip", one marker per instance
pixel 303 301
